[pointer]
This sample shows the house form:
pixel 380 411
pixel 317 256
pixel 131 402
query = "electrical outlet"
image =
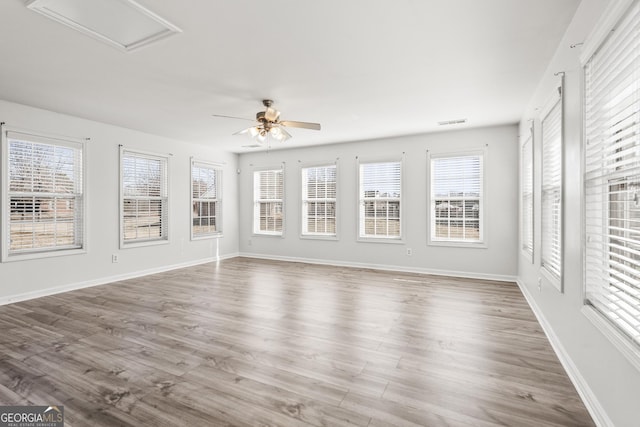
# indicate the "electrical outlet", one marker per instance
pixel 409 252
pixel 539 284
pixel 114 258
pixel 249 242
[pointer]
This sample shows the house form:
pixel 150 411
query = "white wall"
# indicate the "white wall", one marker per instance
pixel 609 384
pixel 30 278
pixel 498 260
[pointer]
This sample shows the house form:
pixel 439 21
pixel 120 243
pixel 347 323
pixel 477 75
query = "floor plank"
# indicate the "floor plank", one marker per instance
pixel 247 342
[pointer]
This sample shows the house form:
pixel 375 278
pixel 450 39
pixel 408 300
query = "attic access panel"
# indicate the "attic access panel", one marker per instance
pixel 123 24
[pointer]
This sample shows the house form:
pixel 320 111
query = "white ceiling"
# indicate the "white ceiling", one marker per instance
pixel 362 68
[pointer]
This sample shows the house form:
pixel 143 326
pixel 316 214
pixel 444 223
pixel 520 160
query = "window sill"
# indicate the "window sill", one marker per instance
pixel 527 255
pixel 268 235
pixel 453 244
pixel 318 237
pixel 617 338
pixel 394 241
pixel 144 243
pixel 553 280
pixel 207 237
pixel 43 254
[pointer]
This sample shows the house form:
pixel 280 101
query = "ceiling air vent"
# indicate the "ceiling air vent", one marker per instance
pixel 124 24
pixel 452 122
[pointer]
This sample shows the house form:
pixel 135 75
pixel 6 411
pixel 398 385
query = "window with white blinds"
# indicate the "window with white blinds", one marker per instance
pixel 457 198
pixel 380 198
pixel 551 251
pixel 612 177
pixel 144 203
pixel 319 201
pixel 45 195
pixel 526 196
pixel 268 191
pixel 206 199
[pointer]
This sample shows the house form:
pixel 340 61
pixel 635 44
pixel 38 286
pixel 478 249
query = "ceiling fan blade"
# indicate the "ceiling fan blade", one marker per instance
pixel 241 132
pixel 252 130
pixel 303 125
pixel 271 114
pixel 233 117
pixel 285 133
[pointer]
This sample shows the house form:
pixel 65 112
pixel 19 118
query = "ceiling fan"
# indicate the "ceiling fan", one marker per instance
pixel 269 124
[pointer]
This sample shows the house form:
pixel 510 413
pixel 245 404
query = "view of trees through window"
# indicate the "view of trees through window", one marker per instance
pixel 144 197
pixel 45 196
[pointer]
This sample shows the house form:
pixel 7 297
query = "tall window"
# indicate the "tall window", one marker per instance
pixel 612 178
pixel 206 199
pixel 526 194
pixel 45 195
pixel 551 253
pixel 380 198
pixel 319 201
pixel 457 198
pixel 268 191
pixel 144 203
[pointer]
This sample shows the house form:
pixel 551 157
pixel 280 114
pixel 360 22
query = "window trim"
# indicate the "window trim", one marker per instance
pixel 147 242
pixel 219 197
pixel 557 99
pixel 483 243
pixel 81 144
pixel 605 27
pixel 258 233
pixel 380 239
pixel 312 165
pixel 607 22
pixel 619 340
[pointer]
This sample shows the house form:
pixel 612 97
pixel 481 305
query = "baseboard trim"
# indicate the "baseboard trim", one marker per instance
pixel 109 279
pixel 403 269
pixel 589 399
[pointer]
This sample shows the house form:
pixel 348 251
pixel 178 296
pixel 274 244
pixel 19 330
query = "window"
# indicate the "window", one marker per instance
pixel 319 201
pixel 45 195
pixel 457 198
pixel 612 179
pixel 380 198
pixel 144 203
pixel 206 199
pixel 268 191
pixel 551 253
pixel 526 194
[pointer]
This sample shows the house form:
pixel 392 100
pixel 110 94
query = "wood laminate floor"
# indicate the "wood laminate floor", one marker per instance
pixel 250 342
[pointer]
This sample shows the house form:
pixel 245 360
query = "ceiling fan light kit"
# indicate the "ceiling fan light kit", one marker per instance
pixel 269 125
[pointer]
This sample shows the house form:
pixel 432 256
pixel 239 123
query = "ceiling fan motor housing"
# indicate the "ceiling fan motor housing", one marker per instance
pixel 264 122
